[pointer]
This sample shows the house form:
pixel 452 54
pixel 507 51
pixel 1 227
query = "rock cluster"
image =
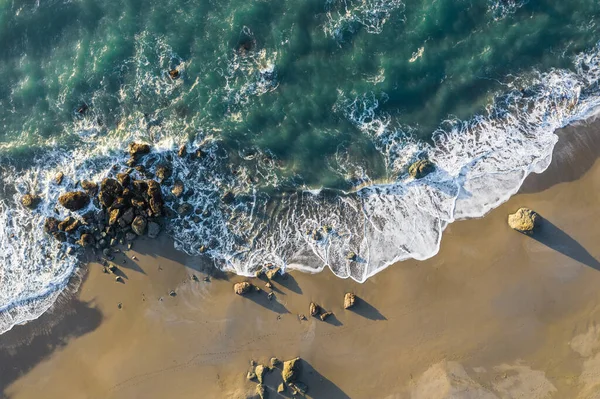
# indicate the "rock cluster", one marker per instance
pixel 289 377
pixel 126 208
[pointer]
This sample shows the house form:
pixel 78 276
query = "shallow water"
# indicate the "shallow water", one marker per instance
pixel 310 112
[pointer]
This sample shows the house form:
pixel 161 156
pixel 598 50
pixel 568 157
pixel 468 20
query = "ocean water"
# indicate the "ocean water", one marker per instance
pixel 310 112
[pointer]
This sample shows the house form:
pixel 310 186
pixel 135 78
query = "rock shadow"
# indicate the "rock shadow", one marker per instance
pixel 366 310
pixel 261 298
pixel 318 385
pixel 25 346
pixel 288 281
pixel 555 238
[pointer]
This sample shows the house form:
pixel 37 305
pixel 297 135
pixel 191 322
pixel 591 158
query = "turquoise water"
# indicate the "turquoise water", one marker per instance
pixel 309 111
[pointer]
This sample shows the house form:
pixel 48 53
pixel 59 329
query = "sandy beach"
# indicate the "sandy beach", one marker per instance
pixel 496 314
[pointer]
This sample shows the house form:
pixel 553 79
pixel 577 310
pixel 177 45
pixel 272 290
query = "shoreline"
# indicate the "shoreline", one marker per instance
pixel 415 306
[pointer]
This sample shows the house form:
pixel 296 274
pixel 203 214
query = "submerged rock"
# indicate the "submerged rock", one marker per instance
pixel 524 220
pixel 228 197
pixel 74 200
pixel 421 168
pixel 349 300
pixel 242 288
pixel 291 370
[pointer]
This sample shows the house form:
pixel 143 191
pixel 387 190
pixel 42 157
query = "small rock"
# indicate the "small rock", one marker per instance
pixel 272 273
pixel 260 371
pixel 351 256
pixel 301 317
pixel 120 305
pixel 349 300
pixel 269 285
pixel 86 240
pixel 113 269
pixel 228 198
pixel 172 293
pixel 271 295
pixel 89 187
pixel 134 257
pixel 178 188
pixel 524 220
pixel 251 376
pixel 58 178
pixel 325 315
pixel 174 73
pixel 421 168
pixel 194 277
pixel 139 225
pixel 119 279
pixel 281 388
pixel 314 309
pixel 242 288
pixel 206 279
pixel 182 151
pixel 275 362
pixel 136 149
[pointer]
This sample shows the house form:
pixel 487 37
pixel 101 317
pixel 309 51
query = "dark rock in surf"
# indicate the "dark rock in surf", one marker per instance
pixel 69 225
pixel 51 225
pixel 421 168
pixel 128 216
pixel 177 189
pixel 182 151
pixel 163 172
pixel 184 209
pixel 74 200
pixel 138 149
pixel 89 187
pixel 124 179
pixel 139 225
pixel 30 201
pixel 86 240
pixel 174 73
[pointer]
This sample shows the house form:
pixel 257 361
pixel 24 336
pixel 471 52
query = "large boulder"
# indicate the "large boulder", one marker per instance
pixel 291 370
pixel 74 200
pixel 242 288
pixel 139 225
pixel 138 149
pixel 524 220
pixel 421 168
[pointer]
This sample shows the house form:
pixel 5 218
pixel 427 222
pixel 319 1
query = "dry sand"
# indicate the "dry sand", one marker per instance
pixel 495 314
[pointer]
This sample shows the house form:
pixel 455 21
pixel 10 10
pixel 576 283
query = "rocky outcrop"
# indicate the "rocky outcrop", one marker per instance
pixel 349 300
pixel 291 370
pixel 242 288
pixel 74 200
pixel 524 220
pixel 421 168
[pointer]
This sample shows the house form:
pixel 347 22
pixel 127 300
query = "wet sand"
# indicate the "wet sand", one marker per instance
pixel 496 314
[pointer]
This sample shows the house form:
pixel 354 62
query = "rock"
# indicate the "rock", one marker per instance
pixel 138 203
pixel 177 189
pixel 269 285
pixel 291 370
pixel 51 225
pixel 172 293
pixel 260 391
pixel 111 186
pixel 351 256
pixel 69 225
pixel 300 387
pixel 349 300
pixel 275 362
pixel 281 388
pixel 119 203
pixel 174 73
pixel 242 288
pixel 105 199
pixel 163 172
pixel 86 240
pixel 74 200
pixel 113 216
pixel 89 187
pixel 124 179
pixel 119 279
pixel 325 315
pixel 271 295
pixel 184 209
pixel 228 198
pixel 314 309
pixel 182 151
pixel 58 178
pixel 139 186
pixel 113 269
pixel 139 225
pixel 130 236
pixel 421 168
pixel 260 371
pixel 524 220
pixel 138 149
pixel 120 305
pixel 272 272
pixel 250 376
pixel 153 229
pixel 128 216
pixel 199 153
pixel 30 201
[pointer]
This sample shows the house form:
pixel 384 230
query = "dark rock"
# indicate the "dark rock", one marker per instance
pixel 74 200
pixel 60 236
pixel 130 236
pixel 113 216
pixel 111 186
pixel 182 151
pixel 119 203
pixel 178 189
pixel 228 198
pixel 153 229
pixel 69 225
pixel 128 216
pixel 138 149
pixel 156 206
pixel 105 199
pixel 199 153
pixel 260 371
pixel 30 201
pixel 139 225
pixel 124 179
pixel 275 362
pixel 261 391
pixel 90 187
pixel 174 73
pixel 86 240
pixel 421 168
pixel 138 203
pixel 51 225
pixel 184 209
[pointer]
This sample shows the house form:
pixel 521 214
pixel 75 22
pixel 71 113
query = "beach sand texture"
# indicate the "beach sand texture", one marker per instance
pixel 496 314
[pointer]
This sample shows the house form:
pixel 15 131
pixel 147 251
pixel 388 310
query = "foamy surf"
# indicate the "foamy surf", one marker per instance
pixel 480 164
